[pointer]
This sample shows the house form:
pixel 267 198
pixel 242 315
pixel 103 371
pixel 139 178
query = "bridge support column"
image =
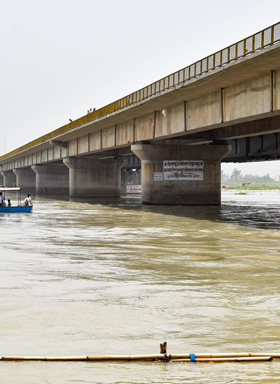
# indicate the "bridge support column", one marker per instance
pixel 26 179
pixel 130 177
pixel 9 178
pixel 52 179
pixel 94 177
pixel 181 174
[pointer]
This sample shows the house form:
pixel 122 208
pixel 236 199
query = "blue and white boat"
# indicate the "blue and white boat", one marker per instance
pixel 14 208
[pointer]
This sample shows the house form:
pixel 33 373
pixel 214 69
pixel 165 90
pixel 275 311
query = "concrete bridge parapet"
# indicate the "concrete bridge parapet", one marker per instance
pixel 193 176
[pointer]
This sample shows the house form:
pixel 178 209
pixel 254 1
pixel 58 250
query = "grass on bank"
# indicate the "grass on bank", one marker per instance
pixel 253 186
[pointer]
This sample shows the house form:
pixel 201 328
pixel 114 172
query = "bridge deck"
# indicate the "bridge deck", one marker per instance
pixel 188 80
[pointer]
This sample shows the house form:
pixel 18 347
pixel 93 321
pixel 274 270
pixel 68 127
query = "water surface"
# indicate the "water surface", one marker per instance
pixel 88 278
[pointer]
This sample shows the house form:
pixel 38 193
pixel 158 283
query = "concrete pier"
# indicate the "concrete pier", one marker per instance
pixel 181 174
pixel 51 179
pixel 130 177
pixel 94 177
pixel 26 179
pixel 9 178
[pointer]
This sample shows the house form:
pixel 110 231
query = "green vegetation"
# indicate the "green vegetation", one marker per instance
pixel 256 187
pixel 253 186
pixel 249 182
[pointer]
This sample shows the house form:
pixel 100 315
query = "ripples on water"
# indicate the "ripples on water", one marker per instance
pixel 85 278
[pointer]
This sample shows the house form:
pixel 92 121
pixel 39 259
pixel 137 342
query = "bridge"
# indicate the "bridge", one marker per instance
pixel 224 107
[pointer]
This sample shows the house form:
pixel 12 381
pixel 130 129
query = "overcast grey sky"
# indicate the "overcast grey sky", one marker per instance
pixel 62 57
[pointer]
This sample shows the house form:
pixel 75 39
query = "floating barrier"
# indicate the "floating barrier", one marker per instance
pixel 161 357
pixel 224 359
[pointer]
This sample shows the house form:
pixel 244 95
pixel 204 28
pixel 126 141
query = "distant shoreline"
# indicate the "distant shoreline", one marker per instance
pixel 252 188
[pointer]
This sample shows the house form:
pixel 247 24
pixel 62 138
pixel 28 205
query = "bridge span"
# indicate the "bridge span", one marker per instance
pixel 225 107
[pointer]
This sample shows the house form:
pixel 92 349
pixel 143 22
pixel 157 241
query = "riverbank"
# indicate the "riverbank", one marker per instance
pixel 252 185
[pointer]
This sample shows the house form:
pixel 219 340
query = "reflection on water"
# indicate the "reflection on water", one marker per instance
pixel 85 278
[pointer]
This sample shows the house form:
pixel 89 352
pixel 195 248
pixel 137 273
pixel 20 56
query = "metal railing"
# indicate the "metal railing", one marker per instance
pixel 233 52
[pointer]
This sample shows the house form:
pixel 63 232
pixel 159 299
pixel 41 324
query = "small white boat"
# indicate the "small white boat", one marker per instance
pixel 15 208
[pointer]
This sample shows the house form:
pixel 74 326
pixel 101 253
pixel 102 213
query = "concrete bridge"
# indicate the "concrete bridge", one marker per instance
pixel 225 107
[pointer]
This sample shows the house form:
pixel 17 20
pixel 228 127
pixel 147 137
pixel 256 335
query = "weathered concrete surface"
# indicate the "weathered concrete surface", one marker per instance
pixel 130 177
pixel 51 179
pixel 206 191
pixel 9 178
pixel 145 127
pixel 109 137
pixel 90 177
pixel 251 98
pixel 26 179
pixel 204 111
pixel 124 133
pixel 170 120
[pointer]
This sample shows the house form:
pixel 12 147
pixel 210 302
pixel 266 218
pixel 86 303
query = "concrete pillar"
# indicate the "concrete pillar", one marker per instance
pixel 26 179
pixel 90 177
pixel 1 179
pixel 52 179
pixel 9 178
pixel 130 177
pixel 190 183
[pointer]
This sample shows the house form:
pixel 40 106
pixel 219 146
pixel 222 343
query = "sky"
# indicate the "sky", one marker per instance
pixel 59 58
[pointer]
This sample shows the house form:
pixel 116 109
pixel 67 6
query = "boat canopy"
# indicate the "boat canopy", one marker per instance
pixel 4 189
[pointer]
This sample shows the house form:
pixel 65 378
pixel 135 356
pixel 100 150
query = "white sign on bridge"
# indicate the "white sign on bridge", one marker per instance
pixel 183 170
pixel 158 176
pixel 133 188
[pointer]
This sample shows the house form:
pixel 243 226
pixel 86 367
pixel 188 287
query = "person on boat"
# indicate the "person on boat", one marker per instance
pixel 27 201
pixel 9 203
pixel 1 199
pixel 3 203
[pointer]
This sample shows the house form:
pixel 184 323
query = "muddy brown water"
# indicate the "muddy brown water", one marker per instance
pixel 115 277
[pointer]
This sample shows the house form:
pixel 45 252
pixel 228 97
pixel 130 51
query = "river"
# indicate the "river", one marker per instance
pixel 115 277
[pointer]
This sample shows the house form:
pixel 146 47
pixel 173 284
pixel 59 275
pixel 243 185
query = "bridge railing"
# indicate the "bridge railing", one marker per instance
pixel 253 43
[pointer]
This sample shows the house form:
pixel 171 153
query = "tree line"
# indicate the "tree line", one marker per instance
pixel 237 176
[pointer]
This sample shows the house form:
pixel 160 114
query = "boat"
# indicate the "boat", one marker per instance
pixel 14 208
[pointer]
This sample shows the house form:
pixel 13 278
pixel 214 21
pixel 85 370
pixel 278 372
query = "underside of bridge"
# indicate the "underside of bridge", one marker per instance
pixel 194 179
pixel 257 140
